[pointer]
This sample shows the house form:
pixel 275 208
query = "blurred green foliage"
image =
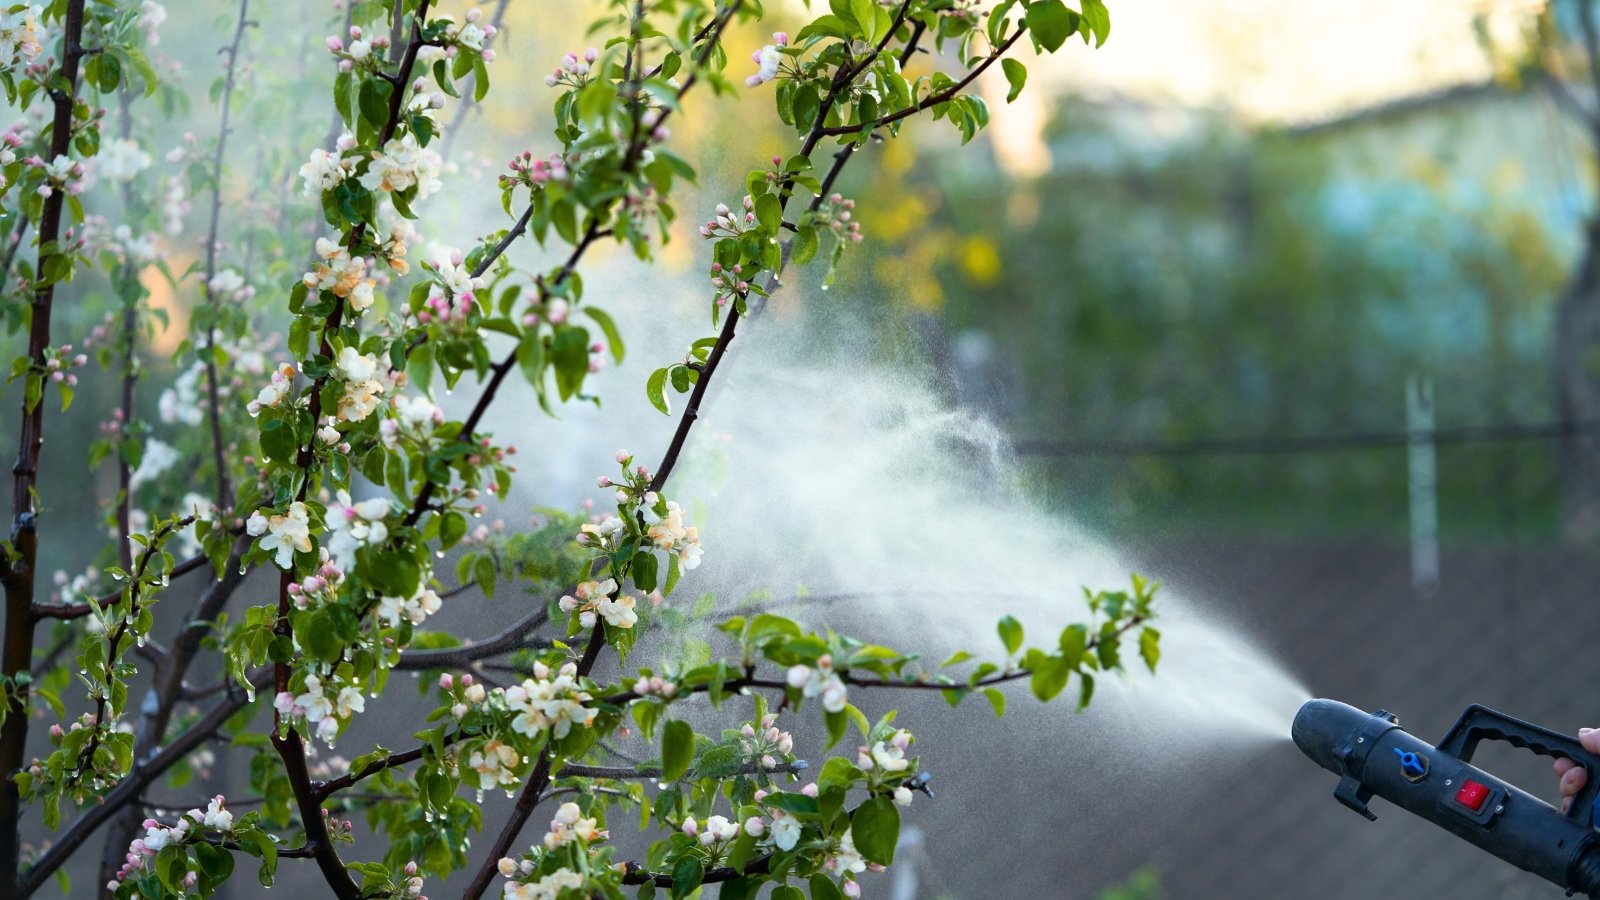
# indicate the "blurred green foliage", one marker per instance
pixel 1177 277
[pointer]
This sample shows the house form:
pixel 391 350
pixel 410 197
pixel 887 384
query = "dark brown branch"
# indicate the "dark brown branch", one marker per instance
pixel 638 875
pixel 513 637
pixel 933 100
pixel 102 698
pixel 325 789
pixel 287 741
pixel 627 773
pixel 16 654
pixel 128 790
pixel 79 610
pixel 841 83
pixel 501 369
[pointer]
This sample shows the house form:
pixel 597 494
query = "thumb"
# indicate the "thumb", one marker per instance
pixel 1590 739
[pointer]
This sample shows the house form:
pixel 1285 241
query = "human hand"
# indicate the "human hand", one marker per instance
pixel 1572 775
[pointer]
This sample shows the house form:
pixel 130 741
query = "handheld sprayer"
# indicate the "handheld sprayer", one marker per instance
pixel 1374 756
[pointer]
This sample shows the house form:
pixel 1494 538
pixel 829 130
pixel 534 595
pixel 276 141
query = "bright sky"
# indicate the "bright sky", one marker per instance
pixel 1284 60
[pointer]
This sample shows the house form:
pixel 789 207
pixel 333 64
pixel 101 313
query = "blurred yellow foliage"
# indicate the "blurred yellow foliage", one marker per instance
pixel 980 260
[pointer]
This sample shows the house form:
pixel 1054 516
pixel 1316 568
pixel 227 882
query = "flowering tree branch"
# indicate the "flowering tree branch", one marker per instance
pixel 357 577
pixel 16 654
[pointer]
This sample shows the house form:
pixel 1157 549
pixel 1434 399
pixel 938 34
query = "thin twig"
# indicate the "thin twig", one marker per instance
pixel 213 400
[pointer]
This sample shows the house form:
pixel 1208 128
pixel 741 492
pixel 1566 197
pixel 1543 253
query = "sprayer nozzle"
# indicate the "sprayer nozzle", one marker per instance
pixel 1322 727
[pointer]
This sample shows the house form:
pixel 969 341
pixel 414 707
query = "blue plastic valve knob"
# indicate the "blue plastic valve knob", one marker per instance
pixel 1409 761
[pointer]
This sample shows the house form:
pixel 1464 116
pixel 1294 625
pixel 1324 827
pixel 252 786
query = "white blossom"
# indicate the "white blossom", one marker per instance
pixel 414 609
pixel 157 458
pixel 785 831
pixel 323 172
pixel 402 164
pixel 354 525
pixel 494 763
pixel 282 535
pixel 121 160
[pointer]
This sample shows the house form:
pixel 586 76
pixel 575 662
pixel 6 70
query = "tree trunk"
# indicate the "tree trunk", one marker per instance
pixel 1577 376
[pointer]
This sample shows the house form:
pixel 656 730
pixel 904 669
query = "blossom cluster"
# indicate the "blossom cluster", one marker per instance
pixel 729 224
pixel 415 419
pixel 323 705
pixel 548 887
pixel 768 60
pixel 663 524
pixel 821 681
pixel 534 173
pixel 341 274
pixel 766 741
pixel 278 388
pixel 364 383
pixel 835 215
pixel 574 70
pixel 544 703
pixel 158 837
pixel 603 599
pixel 282 534
pixel 452 298
pixel 19 36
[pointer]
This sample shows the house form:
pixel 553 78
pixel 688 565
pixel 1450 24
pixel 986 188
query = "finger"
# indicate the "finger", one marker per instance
pixel 1573 781
pixel 1565 802
pixel 1562 764
pixel 1590 739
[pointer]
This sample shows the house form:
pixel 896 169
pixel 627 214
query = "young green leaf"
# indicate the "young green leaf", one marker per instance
pixel 1011 634
pixel 1016 74
pixel 875 829
pixel 1051 23
pixel 677 750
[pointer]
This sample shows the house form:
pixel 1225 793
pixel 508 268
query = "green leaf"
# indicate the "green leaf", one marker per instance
pixel 997 699
pixel 823 888
pixel 643 571
pixel 1074 644
pixel 374 102
pixel 1109 647
pixel 769 212
pixel 1085 690
pixel 1017 74
pixel 866 15
pixel 686 876
pixel 655 388
pixel 1011 634
pixel 805 246
pixel 677 749
pixel 875 828
pixel 1050 675
pixel 1051 23
pixel 530 356
pixel 609 326
pixel 838 723
pixel 1150 647
pixel 1099 19
pixel 570 355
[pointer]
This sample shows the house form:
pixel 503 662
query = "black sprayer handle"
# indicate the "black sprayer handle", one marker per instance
pixel 1479 722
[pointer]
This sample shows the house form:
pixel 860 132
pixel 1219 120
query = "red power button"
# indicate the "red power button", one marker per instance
pixel 1472 795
